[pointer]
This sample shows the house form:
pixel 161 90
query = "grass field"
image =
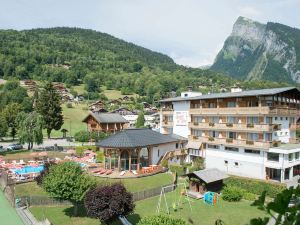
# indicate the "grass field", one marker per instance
pixel 231 213
pixel 133 185
pixel 72 120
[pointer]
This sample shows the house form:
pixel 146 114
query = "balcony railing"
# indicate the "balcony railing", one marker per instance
pixel 236 127
pixel 236 142
pixel 245 111
pixel 167 111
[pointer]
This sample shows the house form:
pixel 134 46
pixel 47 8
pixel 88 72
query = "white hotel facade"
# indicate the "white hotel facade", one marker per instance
pixel 244 133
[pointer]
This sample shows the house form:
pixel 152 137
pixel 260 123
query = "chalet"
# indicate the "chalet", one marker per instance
pixel 114 102
pixel 105 122
pixel 100 110
pixel 96 105
pixel 123 111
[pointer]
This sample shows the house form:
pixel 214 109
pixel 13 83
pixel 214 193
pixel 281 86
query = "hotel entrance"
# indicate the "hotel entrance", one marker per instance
pixel 273 174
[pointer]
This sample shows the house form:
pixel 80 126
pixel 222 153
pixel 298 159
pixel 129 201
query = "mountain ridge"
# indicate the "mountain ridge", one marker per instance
pixel 256 51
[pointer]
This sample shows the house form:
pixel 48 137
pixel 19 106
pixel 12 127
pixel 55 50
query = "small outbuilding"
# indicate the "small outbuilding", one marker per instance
pixel 206 180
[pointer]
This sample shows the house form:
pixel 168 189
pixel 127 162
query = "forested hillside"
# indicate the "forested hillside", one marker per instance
pixel 256 51
pixel 74 56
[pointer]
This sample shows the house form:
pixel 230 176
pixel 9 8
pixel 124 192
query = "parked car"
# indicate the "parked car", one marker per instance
pixel 2 149
pixel 12 147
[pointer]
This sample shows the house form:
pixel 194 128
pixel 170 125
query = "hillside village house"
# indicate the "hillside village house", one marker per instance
pixel 245 133
pixel 96 105
pixel 134 149
pixel 105 122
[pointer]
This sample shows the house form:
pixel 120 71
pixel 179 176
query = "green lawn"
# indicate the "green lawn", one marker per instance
pixel 138 184
pixel 30 188
pixel 201 214
pixel 133 184
pixel 72 119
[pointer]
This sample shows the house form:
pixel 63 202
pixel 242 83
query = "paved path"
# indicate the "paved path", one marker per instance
pixel 8 215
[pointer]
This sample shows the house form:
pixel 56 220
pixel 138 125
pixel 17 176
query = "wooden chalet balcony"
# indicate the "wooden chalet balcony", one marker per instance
pixel 235 127
pixel 235 142
pixel 265 110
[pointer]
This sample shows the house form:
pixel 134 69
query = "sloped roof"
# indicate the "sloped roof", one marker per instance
pixel 210 175
pixel 133 138
pixel 260 92
pixel 107 117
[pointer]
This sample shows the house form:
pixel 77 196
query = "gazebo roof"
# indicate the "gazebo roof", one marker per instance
pixel 209 175
pixel 134 138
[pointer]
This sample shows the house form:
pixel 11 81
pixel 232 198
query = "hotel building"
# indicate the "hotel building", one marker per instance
pixel 245 133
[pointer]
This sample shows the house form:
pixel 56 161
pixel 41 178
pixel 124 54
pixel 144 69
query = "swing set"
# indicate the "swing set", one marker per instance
pixel 177 201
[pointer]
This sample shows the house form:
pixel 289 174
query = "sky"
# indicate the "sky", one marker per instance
pixel 190 31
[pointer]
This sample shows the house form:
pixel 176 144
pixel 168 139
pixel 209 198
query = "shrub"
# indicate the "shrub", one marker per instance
pixel 69 105
pixel 161 220
pixel 100 156
pixel 249 196
pixel 180 170
pixel 232 194
pixel 255 186
pixel 108 202
pixel 85 136
pixel 164 163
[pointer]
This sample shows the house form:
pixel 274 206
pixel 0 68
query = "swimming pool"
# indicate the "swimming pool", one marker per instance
pixel 28 169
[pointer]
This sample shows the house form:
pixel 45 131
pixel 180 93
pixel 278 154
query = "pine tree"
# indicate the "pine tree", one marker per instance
pixel 140 122
pixel 49 106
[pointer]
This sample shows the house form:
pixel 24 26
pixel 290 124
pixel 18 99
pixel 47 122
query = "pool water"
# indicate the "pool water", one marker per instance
pixel 28 169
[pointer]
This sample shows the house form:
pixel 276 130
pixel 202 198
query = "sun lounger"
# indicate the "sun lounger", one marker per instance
pixel 122 173
pixel 97 171
pixel 134 172
pixel 109 172
pixel 103 171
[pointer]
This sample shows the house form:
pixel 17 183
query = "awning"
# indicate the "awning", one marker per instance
pixel 193 145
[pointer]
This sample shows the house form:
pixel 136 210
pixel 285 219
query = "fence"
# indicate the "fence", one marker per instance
pixel 137 196
pixel 38 200
pixel 7 187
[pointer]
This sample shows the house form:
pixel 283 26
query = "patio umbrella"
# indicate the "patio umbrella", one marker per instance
pixel 43 154
pixel 34 154
pixel 71 151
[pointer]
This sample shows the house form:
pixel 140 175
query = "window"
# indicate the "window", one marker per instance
pixel 213 119
pixel 291 157
pixel 212 105
pixel 268 136
pixel 236 163
pixel 231 135
pixel 252 151
pixel 226 162
pixel 269 120
pixel 297 155
pixel 157 152
pixel 213 146
pixel 286 118
pixel 214 134
pixel 232 149
pixel 273 157
pixel 253 104
pixel 231 104
pixel 276 118
pixel 253 120
pixel 197 133
pixel 177 145
pixel 253 136
pixel 232 119
pixel 281 118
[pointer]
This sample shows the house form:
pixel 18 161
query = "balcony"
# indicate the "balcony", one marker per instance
pixel 263 110
pixel 235 142
pixel 294 127
pixel 167 123
pixel 235 127
pixel 167 111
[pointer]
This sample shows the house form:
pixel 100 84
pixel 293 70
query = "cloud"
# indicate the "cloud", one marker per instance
pixel 249 11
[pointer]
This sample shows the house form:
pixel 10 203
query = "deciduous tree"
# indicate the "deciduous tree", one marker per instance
pixel 30 127
pixel 108 202
pixel 140 122
pixel 67 181
pixel 10 113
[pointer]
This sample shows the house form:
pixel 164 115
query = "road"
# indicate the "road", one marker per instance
pixel 48 142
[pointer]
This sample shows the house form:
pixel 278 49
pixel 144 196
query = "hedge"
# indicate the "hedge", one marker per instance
pixel 232 194
pixel 255 186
